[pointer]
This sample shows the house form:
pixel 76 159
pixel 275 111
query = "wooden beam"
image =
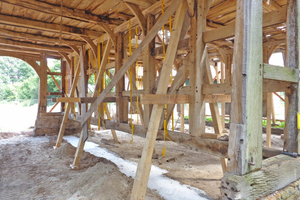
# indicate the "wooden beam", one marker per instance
pixel 291 139
pixel 91 44
pixel 139 15
pixel 34 46
pixel 110 32
pixel 278 172
pixel 144 166
pixel 245 144
pixel 149 74
pixel 84 132
pixel 44 26
pixel 67 111
pixel 152 33
pixel 281 73
pixel 65 56
pixel 269 19
pixel 51 40
pixel 164 99
pixel 42 105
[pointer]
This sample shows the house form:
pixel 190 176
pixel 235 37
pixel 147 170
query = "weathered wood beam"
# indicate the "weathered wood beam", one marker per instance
pixel 245 144
pixel 139 15
pixel 280 73
pixel 276 173
pixel 39 38
pixel 44 26
pixel 34 46
pixel 91 44
pixel 291 137
pixel 84 132
pixel 42 104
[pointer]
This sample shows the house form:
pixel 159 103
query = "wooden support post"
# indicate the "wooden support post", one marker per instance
pixel 245 143
pixel 269 103
pixel 144 166
pixel 43 85
pixel 223 103
pixel 84 132
pixel 291 140
pixel 66 114
pixel 149 70
pixel 63 83
pixel 120 105
pixel 197 72
pixel 182 118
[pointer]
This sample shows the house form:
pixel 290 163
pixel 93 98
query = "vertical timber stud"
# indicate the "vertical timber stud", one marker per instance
pixel 63 82
pixel 292 61
pixel 149 70
pixel 121 84
pixel 197 73
pixel 245 143
pixel 84 131
pixel 43 85
pixel 144 166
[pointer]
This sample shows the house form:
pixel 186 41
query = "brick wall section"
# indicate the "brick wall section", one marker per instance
pixel 49 125
pixel 290 192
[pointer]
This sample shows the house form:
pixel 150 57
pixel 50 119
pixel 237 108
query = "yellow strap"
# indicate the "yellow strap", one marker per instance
pixel 137 78
pixel 74 90
pixel 99 57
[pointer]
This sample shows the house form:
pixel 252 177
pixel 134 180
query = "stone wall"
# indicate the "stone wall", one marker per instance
pixel 50 125
pixel 290 192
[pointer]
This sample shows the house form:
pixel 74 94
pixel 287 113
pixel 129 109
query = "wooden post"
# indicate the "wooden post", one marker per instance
pixel 121 84
pixel 292 61
pixel 197 72
pixel 43 84
pixel 149 70
pixel 84 132
pixel 144 166
pixel 245 143
pixel 66 114
pixel 269 104
pixel 63 82
pixel 182 118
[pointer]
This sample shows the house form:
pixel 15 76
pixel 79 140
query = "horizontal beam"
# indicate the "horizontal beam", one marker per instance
pixel 54 73
pixel 276 173
pixel 269 19
pixel 7 42
pixel 226 88
pixel 180 99
pixel 28 23
pixel 280 73
pixel 82 99
pixel 40 38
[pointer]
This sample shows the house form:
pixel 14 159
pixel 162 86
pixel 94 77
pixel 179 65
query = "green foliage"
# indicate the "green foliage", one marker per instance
pixel 278 124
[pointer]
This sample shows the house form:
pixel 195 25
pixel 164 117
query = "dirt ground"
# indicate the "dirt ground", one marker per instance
pixel 31 169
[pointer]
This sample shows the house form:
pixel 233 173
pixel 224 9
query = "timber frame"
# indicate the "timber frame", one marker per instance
pixel 236 36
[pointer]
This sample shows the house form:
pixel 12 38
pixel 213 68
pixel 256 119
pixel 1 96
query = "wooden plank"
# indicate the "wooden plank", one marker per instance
pixel 84 132
pixel 276 173
pixel 182 118
pixel 54 73
pixel 67 99
pixel 152 33
pixel 63 83
pixel 269 19
pixel 144 166
pixel 245 144
pixel 291 141
pixel 281 73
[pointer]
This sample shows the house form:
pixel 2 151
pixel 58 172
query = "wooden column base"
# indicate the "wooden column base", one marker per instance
pixel 276 172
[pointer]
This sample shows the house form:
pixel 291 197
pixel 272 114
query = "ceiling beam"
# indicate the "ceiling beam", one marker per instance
pixel 56 10
pixel 39 38
pixel 13 43
pixel 28 23
pixel 269 19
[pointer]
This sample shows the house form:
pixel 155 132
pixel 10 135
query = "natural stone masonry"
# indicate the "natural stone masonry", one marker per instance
pixel 50 125
pixel 290 192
